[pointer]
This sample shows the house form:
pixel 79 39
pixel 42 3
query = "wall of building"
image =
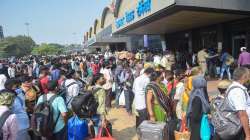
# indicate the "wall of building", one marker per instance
pixel 109 19
pixel 98 27
pixel 130 7
pixel 241 5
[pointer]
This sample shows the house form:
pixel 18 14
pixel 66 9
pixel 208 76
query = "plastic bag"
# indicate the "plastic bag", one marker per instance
pixel 77 128
pixel 122 99
pixel 113 87
pixel 205 131
pixel 100 137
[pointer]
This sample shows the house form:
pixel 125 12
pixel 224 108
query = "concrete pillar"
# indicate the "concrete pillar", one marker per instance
pixel 190 43
pixel 219 37
pixel 163 43
pixel 129 44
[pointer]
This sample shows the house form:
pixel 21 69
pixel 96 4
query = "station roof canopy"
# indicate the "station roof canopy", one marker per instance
pixel 182 15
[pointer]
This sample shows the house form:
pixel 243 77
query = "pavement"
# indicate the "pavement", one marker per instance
pixel 124 125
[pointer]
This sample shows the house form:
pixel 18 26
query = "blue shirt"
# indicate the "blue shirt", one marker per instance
pixel 18 108
pixel 223 58
pixel 59 107
pixel 55 74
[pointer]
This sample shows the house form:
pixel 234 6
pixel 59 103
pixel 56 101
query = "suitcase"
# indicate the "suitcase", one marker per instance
pixel 148 130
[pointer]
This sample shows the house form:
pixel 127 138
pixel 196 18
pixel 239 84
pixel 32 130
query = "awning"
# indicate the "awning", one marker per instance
pixel 179 18
pixel 103 41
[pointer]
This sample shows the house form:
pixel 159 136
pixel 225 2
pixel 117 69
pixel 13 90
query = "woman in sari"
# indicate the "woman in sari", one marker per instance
pixel 159 105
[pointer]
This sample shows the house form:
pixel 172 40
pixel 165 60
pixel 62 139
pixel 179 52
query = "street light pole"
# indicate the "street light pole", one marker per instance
pixel 27 27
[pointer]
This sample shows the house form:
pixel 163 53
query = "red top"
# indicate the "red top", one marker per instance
pixel 171 85
pixel 95 68
pixel 44 84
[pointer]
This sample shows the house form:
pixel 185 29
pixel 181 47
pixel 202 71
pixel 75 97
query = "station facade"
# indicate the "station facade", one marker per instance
pixel 188 25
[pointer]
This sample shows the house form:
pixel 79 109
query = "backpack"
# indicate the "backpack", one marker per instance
pixel 226 121
pixel 85 105
pixel 229 60
pixel 3 119
pixel 42 122
pixel 64 90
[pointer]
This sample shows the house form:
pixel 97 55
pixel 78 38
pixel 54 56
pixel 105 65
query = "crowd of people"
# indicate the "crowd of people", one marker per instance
pixel 69 97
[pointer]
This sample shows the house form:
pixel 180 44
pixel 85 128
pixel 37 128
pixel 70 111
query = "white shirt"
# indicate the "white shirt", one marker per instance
pixel 72 91
pixel 157 59
pixel 11 72
pixel 139 89
pixel 237 98
pixel 108 76
pixel 180 88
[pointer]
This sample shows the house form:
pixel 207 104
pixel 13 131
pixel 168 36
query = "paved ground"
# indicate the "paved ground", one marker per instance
pixel 124 125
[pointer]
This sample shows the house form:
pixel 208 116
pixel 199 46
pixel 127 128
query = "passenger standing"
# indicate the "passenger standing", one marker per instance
pixel 11 71
pixel 100 118
pixel 44 79
pixel 225 65
pixel 240 100
pixel 126 81
pixel 55 73
pixel 19 109
pixel 10 124
pixel 139 89
pixel 73 89
pixel 118 71
pixel 158 103
pixel 109 81
pixel 244 58
pixel 59 112
pixel 202 60
pixel 198 105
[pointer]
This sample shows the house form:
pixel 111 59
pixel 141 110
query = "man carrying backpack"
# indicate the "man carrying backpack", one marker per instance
pixel 59 112
pixel 8 121
pixel 240 101
pixel 72 87
pixel 19 109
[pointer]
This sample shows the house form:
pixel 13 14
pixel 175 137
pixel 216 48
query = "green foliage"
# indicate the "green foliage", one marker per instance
pixel 48 49
pixel 16 46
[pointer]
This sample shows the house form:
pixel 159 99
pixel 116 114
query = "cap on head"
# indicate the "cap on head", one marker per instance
pixel 224 84
pixel 243 49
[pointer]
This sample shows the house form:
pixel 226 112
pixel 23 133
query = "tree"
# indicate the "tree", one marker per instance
pixel 48 49
pixel 16 46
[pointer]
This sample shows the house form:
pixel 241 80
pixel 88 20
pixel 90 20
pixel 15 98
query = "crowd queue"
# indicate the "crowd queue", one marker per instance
pixel 69 97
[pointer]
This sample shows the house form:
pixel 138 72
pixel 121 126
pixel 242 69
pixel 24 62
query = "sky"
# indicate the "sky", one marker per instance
pixel 50 21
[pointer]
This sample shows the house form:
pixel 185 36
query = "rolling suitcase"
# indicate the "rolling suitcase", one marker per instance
pixel 152 131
